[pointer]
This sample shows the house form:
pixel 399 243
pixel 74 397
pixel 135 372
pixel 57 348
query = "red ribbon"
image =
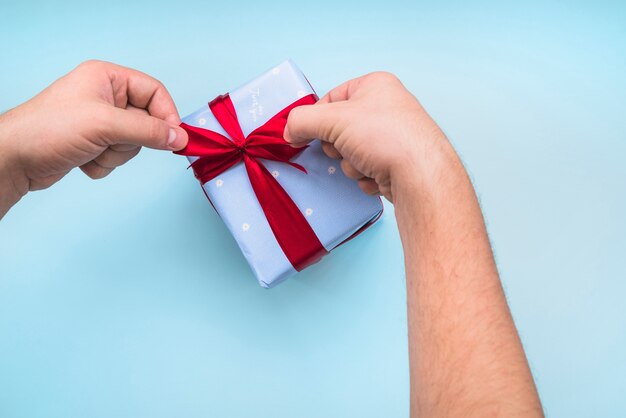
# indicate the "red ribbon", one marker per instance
pixel 217 154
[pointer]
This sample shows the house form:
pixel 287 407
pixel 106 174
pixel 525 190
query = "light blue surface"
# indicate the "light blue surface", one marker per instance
pixel 331 203
pixel 128 297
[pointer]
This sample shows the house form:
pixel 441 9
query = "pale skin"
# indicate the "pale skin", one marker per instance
pixel 97 118
pixel 466 358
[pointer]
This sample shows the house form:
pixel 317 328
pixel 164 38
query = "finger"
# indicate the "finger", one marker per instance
pixel 342 92
pixel 124 147
pixel 350 171
pixel 111 158
pixel 339 93
pixel 132 108
pixel 369 186
pixel 318 121
pixel 128 127
pixel 95 171
pixel 45 182
pixel 330 150
pixel 129 147
pixel 145 92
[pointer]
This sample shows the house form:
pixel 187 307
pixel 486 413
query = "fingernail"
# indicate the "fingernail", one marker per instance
pixel 286 135
pixel 288 139
pixel 171 139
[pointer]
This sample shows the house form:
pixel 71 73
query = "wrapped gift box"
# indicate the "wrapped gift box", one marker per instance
pixel 333 205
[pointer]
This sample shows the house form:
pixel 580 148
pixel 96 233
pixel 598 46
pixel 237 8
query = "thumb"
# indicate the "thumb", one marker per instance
pixel 318 121
pixel 144 130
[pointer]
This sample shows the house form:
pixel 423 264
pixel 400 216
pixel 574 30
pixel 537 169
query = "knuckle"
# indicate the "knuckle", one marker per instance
pixel 159 84
pixel 330 150
pixel 90 64
pixel 384 77
pixel 369 186
pixel 131 153
pixel 96 172
pixel 365 187
pixel 348 169
pixel 105 159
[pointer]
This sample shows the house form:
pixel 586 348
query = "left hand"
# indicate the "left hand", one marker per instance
pixel 97 118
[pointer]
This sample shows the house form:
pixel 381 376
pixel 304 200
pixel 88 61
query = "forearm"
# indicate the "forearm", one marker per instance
pixel 11 186
pixel 466 357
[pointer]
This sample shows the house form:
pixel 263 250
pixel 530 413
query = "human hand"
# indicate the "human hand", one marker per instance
pixel 97 118
pixel 455 302
pixel 377 127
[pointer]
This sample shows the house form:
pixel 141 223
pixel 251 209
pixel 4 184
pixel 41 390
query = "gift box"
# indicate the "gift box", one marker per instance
pixel 286 207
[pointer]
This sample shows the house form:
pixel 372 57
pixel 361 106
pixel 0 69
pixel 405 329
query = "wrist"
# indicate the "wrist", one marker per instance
pixel 434 199
pixel 427 169
pixel 13 184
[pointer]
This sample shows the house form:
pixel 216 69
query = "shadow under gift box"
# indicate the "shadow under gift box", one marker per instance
pixel 333 205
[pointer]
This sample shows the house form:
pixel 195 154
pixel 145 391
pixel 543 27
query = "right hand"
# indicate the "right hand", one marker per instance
pixel 377 127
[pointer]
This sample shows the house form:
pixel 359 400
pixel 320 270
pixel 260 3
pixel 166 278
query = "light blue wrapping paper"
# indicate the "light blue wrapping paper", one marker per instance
pixel 333 205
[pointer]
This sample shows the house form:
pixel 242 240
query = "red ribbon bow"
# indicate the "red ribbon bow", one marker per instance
pixel 217 154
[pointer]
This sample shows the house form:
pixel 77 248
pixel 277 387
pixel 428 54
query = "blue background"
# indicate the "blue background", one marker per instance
pixel 127 296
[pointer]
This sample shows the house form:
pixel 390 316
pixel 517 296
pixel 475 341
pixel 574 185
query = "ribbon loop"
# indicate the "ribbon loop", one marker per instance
pixel 223 106
pixel 218 153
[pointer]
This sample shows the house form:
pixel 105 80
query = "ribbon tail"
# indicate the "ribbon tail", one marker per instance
pixel 298 166
pixel 293 233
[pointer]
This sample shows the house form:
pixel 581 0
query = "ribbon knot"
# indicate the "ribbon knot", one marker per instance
pixel 217 153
